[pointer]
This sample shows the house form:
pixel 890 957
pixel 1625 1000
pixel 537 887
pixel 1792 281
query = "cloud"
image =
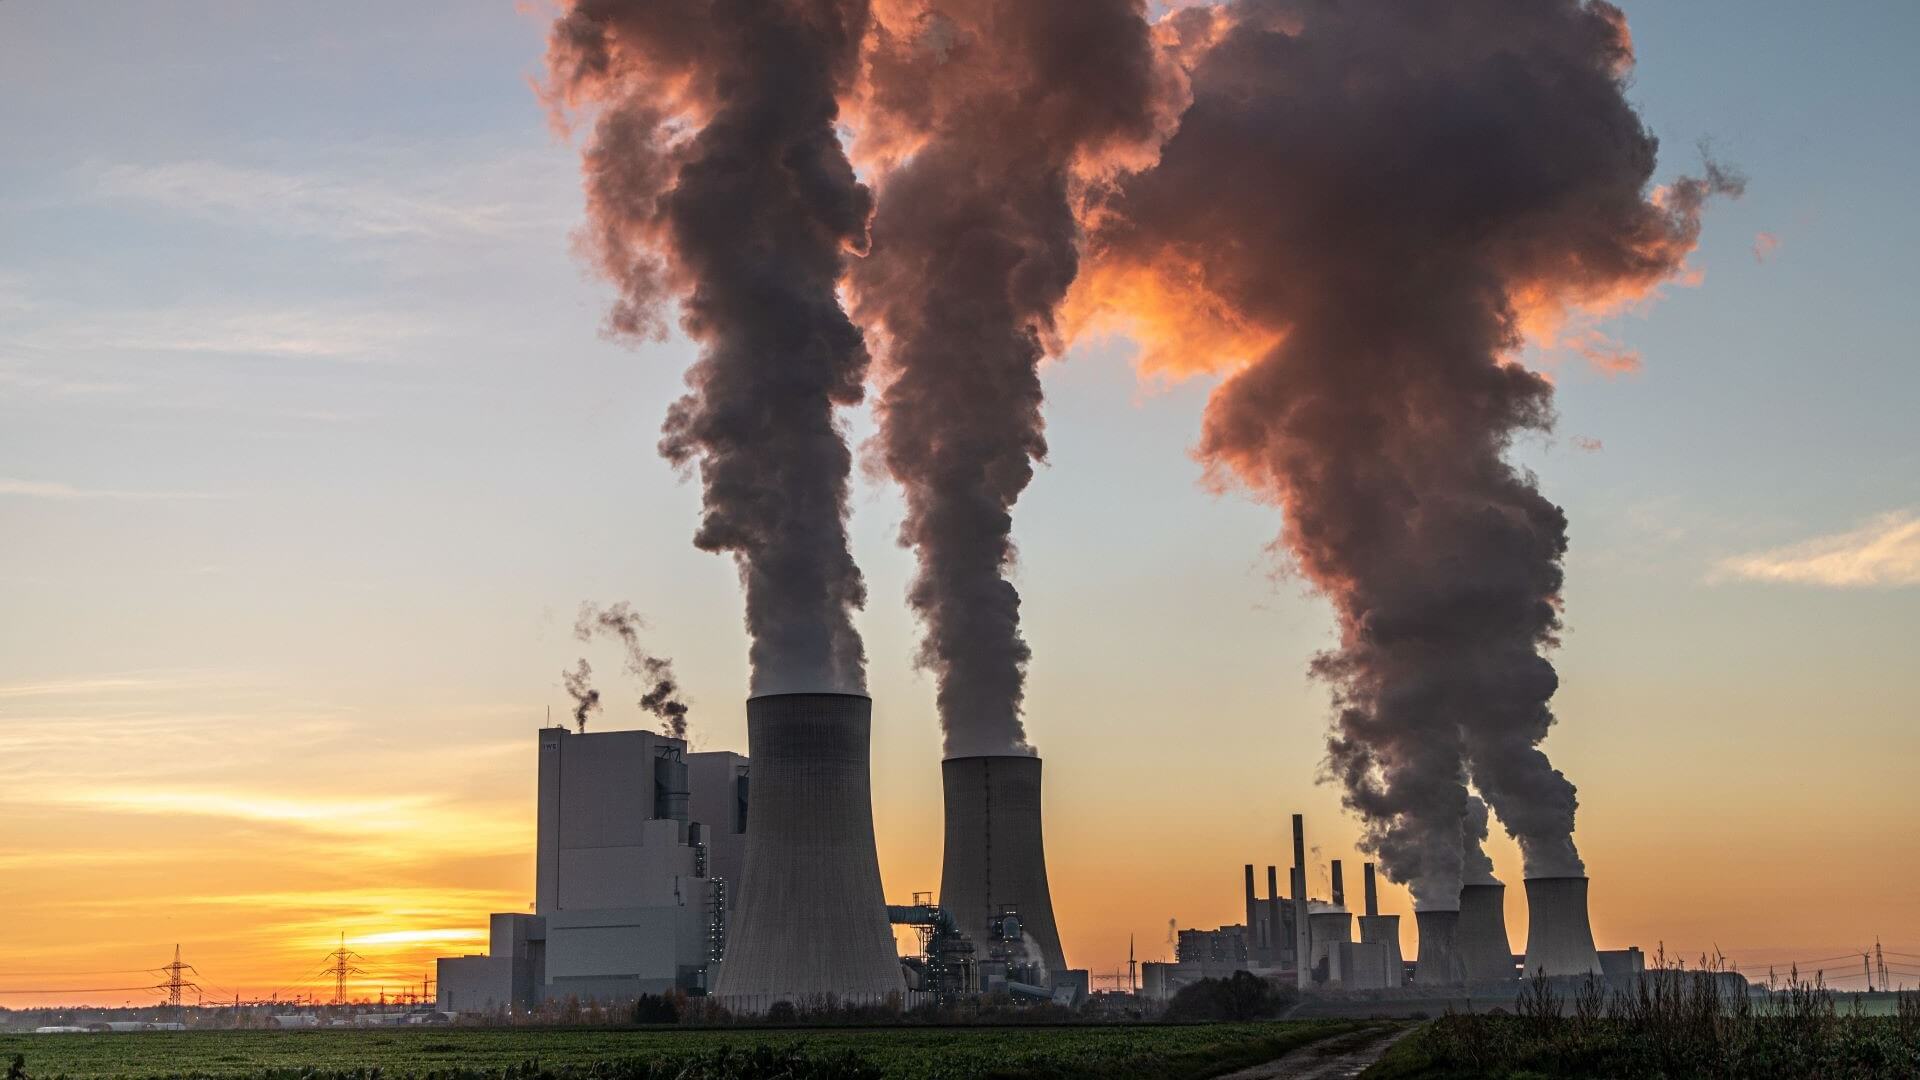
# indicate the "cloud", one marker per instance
pixel 1764 245
pixel 1587 444
pixel 1883 553
pixel 331 207
pixel 46 489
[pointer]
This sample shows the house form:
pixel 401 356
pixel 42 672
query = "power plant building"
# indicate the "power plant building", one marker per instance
pixel 630 893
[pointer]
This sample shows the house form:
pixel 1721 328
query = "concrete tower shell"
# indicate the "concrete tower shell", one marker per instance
pixel 1384 930
pixel 1437 964
pixel 996 858
pixel 1559 933
pixel 811 918
pixel 1480 939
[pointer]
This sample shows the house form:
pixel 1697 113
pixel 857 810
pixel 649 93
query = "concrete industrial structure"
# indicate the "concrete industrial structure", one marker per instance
pixel 1480 937
pixel 995 860
pixel 1559 932
pixel 1382 932
pixel 629 896
pixel 811 918
pixel 1436 964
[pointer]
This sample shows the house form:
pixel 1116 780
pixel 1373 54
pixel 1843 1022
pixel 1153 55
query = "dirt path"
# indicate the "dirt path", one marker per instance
pixel 1338 1058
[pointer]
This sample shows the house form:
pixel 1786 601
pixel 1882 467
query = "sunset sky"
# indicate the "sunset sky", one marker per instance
pixel 310 447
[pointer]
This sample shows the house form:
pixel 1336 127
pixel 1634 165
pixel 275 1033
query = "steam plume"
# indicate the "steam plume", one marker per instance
pixel 1006 107
pixel 1475 867
pixel 714 175
pixel 1375 198
pixel 586 700
pixel 662 698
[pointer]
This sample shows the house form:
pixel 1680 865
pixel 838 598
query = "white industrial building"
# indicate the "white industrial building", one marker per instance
pixel 639 846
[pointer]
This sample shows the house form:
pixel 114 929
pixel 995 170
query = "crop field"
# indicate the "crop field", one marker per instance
pixel 962 1053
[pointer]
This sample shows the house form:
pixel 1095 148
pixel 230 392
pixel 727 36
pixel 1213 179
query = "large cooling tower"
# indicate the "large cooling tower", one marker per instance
pixel 995 859
pixel 1437 964
pixel 811 919
pixel 1559 935
pixel 1378 929
pixel 1480 938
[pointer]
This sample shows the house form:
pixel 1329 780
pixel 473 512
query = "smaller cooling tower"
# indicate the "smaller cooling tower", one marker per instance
pixel 1384 930
pixel 1480 939
pixel 1559 934
pixel 811 919
pixel 995 858
pixel 1437 965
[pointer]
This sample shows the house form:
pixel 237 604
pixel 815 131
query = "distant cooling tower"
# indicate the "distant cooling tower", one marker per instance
pixel 1480 938
pixel 1559 934
pixel 995 858
pixel 811 918
pixel 1437 965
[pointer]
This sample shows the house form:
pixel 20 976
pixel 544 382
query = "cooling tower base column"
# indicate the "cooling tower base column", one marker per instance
pixel 996 859
pixel 1480 939
pixel 1559 933
pixel 1437 965
pixel 811 920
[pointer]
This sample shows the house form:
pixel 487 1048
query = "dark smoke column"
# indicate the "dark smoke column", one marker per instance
pixel 715 176
pixel 1378 192
pixel 1008 107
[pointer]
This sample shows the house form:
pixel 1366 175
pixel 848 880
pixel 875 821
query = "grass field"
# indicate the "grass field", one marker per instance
pixel 1117 1051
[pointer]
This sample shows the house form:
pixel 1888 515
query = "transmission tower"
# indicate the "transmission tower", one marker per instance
pixel 176 979
pixel 343 966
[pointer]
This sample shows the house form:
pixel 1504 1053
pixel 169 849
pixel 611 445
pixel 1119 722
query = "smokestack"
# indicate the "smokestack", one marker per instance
pixel 995 857
pixel 811 919
pixel 1339 887
pixel 1373 895
pixel 1480 938
pixel 1437 964
pixel 1302 941
pixel 1559 933
pixel 1276 931
pixel 1253 934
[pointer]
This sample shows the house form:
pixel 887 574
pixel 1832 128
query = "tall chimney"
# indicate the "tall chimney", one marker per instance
pixel 996 859
pixel 1302 942
pixel 1373 895
pixel 1480 938
pixel 1253 933
pixel 1275 929
pixel 1559 933
pixel 811 919
pixel 1437 965
pixel 1339 887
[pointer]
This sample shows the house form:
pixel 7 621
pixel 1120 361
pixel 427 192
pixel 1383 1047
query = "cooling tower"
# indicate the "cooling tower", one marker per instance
pixel 811 919
pixel 1559 934
pixel 1437 965
pixel 995 859
pixel 1384 930
pixel 1480 938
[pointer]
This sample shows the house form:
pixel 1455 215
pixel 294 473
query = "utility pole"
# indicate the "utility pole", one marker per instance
pixel 1866 965
pixel 1880 959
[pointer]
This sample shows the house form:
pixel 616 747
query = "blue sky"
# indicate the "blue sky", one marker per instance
pixel 309 448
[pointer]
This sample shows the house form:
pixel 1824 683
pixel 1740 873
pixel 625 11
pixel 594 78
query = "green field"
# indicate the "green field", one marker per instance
pixel 962 1053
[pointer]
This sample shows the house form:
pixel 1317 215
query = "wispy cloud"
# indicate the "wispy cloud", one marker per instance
pixel 416 200
pixel 47 489
pixel 1883 553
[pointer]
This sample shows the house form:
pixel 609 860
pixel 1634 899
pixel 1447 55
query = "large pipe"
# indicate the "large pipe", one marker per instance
pixel 1373 895
pixel 996 857
pixel 812 919
pixel 1480 938
pixel 1302 943
pixel 1559 932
